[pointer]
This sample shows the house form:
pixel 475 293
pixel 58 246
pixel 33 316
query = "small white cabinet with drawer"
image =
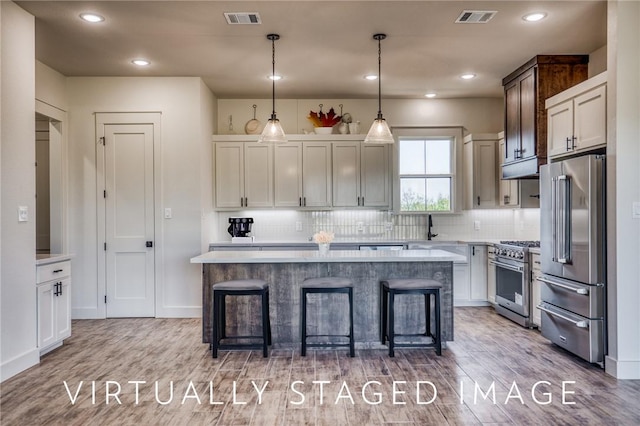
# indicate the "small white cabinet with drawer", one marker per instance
pixel 534 262
pixel 53 284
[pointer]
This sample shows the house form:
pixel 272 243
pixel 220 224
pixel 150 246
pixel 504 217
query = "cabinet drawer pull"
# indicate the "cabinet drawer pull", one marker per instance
pixel 58 270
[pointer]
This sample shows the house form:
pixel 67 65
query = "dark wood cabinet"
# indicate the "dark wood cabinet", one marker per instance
pixel 525 91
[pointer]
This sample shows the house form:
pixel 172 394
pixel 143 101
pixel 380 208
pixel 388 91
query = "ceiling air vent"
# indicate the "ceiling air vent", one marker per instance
pixel 475 16
pixel 242 18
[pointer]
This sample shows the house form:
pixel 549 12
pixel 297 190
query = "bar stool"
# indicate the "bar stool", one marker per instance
pixel 388 290
pixel 326 285
pixel 219 319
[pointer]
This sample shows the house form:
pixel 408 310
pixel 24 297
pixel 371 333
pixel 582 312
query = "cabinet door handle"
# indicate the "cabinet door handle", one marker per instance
pixel 568 140
pixel 573 142
pixel 246 202
pixel 478 200
pixel 241 202
pixel 358 200
pixel 304 201
pixel 362 200
pixel 300 201
pixel 59 289
pixel 473 250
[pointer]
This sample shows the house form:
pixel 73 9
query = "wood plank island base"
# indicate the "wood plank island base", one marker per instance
pixel 286 270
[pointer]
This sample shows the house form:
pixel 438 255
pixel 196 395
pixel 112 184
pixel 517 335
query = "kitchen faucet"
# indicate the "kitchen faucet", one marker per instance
pixel 430 225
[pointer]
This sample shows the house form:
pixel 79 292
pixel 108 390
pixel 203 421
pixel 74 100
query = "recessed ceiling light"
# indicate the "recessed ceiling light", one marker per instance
pixel 91 17
pixel 534 17
pixel 371 77
pixel 430 95
pixel 140 62
pixel 467 76
pixel 275 77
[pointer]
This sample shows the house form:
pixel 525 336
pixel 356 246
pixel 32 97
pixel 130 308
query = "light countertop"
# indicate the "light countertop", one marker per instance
pixel 45 259
pixel 307 256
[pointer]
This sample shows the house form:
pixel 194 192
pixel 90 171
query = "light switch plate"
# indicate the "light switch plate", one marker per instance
pixel 476 225
pixel 23 213
pixel 167 213
pixel 298 226
pixel 636 210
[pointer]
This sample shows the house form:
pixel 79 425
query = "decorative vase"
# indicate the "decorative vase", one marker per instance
pixel 354 128
pixel 323 249
pixel 343 128
pixel 323 130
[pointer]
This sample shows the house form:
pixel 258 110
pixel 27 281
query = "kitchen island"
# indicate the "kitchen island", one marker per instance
pixel 286 270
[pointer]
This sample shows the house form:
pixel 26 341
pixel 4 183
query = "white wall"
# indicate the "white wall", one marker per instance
pixel 209 112
pixel 18 339
pixel 51 87
pixel 623 182
pixel 479 115
pixel 180 101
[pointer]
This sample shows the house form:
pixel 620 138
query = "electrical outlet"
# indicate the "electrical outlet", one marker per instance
pixel 636 210
pixel 388 226
pixel 23 213
pixel 298 226
pixel 476 225
pixel 167 213
pixel 360 226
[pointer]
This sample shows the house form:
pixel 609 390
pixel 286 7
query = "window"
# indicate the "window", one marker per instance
pixel 426 170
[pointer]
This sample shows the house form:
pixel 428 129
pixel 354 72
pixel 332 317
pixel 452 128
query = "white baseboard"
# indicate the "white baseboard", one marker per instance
pixel 19 364
pixel 85 313
pixel 624 370
pixel 179 312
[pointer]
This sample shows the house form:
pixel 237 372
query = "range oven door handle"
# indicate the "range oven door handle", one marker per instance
pixel 566 287
pixel 507 266
pixel 579 324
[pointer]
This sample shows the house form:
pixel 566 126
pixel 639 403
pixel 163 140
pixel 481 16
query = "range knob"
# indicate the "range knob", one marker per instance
pixel 520 255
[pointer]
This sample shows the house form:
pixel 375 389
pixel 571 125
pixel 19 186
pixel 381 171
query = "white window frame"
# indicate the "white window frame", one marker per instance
pixel 455 133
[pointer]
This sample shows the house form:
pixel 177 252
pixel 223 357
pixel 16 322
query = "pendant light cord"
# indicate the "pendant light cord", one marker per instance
pixel 273 77
pixel 379 37
pixel 273 38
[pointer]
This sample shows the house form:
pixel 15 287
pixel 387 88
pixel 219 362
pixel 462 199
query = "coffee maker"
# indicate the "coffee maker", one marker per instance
pixel 240 228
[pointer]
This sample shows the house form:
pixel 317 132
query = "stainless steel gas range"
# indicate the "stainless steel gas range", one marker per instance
pixel 513 292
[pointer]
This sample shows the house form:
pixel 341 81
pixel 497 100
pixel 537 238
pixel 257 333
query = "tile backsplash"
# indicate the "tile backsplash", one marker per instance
pixel 294 225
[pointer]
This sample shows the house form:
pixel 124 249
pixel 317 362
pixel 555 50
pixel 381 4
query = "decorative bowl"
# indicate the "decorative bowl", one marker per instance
pixel 323 130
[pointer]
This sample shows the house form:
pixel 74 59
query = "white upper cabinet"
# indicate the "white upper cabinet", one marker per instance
pixel 302 174
pixel 316 174
pixel 309 171
pixel 375 176
pixel 577 118
pixel 481 175
pixel 360 175
pixel 244 173
pixel 287 164
pixel 346 174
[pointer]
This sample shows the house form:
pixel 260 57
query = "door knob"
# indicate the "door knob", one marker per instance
pixel 149 243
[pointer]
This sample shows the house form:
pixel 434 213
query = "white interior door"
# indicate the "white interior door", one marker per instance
pixel 129 220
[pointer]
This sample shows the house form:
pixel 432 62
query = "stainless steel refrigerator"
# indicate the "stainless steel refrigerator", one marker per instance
pixel 573 255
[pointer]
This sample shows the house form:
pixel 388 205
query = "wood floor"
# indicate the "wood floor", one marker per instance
pixel 489 353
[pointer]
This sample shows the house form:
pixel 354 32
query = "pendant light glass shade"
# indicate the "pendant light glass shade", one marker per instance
pixel 273 132
pixel 379 132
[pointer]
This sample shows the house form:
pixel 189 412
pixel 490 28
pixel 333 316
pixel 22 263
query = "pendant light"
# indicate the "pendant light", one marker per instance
pixel 379 132
pixel 273 132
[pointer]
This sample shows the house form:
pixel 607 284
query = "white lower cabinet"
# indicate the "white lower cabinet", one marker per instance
pixel 54 305
pixel 491 275
pixel 470 279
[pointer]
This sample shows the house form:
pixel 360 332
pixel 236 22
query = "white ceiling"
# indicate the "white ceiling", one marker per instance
pixel 326 47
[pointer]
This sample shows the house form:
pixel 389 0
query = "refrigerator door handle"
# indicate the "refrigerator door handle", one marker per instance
pixel 565 244
pixel 554 220
pixel 566 287
pixel 580 324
